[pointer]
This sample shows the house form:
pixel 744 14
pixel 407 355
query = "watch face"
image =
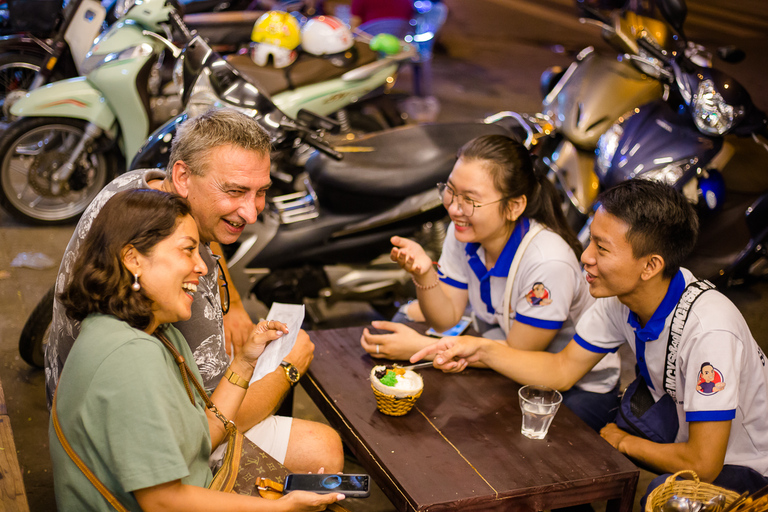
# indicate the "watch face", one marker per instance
pixel 292 373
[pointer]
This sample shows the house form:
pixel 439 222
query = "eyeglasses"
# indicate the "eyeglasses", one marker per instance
pixel 223 289
pixel 465 204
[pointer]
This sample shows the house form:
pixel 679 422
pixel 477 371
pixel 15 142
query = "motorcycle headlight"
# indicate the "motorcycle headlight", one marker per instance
pixel 670 174
pixel 606 148
pixel 712 115
pixel 122 7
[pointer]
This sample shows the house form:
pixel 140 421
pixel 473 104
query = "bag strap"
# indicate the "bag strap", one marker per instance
pixel 79 462
pixel 692 292
pixel 507 301
pixel 187 376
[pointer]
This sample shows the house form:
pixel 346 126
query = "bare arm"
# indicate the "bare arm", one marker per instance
pixel 175 496
pixel 527 337
pixel 704 452
pixel 560 370
pixel 441 304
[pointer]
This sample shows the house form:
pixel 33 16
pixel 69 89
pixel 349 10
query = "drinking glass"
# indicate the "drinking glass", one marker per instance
pixel 539 405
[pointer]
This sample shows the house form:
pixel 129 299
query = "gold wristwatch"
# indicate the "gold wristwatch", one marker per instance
pixel 291 372
pixel 235 379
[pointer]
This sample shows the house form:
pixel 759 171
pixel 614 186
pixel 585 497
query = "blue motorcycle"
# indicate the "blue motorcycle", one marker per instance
pixel 681 141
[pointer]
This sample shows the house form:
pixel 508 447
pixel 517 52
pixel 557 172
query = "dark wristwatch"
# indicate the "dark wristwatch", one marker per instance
pixel 291 372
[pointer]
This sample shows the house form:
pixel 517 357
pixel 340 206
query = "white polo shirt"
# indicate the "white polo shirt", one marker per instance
pixel 549 290
pixel 720 372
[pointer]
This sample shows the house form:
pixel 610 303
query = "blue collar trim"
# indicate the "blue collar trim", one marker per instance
pixel 501 267
pixel 655 325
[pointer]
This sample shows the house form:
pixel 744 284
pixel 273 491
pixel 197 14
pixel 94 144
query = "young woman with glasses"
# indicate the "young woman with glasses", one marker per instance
pixel 494 198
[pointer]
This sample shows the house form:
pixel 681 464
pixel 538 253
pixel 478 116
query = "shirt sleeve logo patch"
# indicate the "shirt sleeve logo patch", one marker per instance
pixel 539 295
pixel 710 380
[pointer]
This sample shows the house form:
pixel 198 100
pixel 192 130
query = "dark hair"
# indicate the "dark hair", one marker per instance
pixel 660 219
pixel 514 175
pixel 100 283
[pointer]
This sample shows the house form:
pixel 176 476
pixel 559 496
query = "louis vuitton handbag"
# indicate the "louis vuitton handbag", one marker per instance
pixel 244 469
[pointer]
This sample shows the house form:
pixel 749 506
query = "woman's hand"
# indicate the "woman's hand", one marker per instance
pixel 410 256
pixel 262 334
pixel 310 501
pixel 401 343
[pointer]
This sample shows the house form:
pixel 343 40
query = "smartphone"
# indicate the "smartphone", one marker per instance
pixel 456 330
pixel 352 486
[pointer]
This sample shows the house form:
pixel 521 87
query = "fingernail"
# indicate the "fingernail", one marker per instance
pixel 439 360
pixel 340 497
pixel 279 333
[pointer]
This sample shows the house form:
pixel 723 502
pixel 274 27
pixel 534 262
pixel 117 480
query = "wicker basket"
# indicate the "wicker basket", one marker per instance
pixel 393 405
pixel 692 488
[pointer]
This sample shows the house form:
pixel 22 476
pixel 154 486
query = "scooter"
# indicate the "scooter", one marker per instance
pixel 583 101
pixel 681 142
pixel 74 134
pixel 356 95
pixel 45 43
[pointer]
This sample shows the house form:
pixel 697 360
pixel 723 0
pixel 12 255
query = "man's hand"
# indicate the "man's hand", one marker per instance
pixel 302 353
pixel 401 343
pixel 237 328
pixel 613 434
pixel 453 353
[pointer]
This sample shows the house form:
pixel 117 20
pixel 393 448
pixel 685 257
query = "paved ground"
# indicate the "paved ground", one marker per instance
pixel 493 53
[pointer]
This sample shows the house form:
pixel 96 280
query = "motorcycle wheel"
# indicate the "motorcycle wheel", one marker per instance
pixel 36 330
pixel 17 71
pixel 32 149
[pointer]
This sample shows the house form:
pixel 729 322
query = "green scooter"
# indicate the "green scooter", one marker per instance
pixel 72 136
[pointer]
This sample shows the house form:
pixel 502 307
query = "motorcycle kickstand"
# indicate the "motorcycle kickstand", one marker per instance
pixel 91 132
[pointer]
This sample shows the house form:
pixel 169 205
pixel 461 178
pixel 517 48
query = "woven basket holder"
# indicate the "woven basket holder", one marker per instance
pixel 392 405
pixel 693 489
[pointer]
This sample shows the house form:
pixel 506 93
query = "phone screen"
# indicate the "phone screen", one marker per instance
pixel 456 330
pixel 354 486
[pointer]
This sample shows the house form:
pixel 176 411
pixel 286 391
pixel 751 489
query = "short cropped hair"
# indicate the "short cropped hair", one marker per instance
pixel 217 127
pixel 660 219
pixel 100 283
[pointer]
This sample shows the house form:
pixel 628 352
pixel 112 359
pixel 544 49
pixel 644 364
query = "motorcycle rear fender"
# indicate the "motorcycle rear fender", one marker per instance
pixel 327 97
pixel 24 44
pixel 75 98
pixel 757 219
pixel 575 170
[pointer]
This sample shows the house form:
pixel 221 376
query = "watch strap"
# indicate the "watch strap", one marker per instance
pixel 235 379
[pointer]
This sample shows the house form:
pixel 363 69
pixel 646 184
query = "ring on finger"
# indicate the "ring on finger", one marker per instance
pixel 377 348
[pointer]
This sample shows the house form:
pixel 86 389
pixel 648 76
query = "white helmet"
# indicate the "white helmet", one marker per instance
pixel 326 35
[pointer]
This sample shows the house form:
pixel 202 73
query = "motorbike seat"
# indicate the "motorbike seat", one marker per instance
pixel 389 166
pixel 308 69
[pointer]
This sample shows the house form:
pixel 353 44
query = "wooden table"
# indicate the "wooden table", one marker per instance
pixel 460 447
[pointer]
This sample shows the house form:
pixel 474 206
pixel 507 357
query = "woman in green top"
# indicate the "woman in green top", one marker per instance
pixel 121 401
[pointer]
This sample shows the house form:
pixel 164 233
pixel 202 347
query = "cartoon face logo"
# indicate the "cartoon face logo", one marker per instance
pixel 538 296
pixel 710 380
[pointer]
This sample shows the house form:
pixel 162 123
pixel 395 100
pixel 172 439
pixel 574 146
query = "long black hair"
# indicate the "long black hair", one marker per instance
pixel 512 169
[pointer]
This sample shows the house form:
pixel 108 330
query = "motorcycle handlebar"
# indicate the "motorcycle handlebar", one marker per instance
pixel 316 142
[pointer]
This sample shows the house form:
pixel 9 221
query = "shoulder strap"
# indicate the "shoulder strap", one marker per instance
pixel 506 303
pixel 692 292
pixel 79 462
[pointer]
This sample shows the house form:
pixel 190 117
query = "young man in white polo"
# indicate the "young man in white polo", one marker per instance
pixel 717 373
